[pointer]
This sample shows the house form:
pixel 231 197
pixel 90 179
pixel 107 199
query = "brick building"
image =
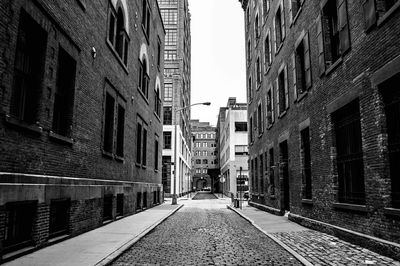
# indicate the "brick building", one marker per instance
pixel 177 94
pixel 204 156
pixel 324 115
pixel 80 116
pixel 233 147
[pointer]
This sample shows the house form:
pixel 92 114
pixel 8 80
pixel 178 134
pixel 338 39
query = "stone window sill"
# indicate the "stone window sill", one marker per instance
pixel 61 139
pixel 350 207
pixel 282 114
pixel 117 56
pixel 301 96
pixel 307 201
pixel 34 128
pixel 334 66
pixel 392 212
pixel 143 96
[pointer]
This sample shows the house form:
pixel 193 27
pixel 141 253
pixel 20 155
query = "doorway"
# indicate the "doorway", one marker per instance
pixel 284 168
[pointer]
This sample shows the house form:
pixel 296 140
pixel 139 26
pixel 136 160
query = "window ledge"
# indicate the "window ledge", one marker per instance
pixel 107 154
pixel 34 128
pixel 269 126
pixel 301 96
pixel 119 158
pixel 258 85
pixel 388 14
pixel 296 17
pixel 117 56
pixel 334 66
pixel 260 134
pixel 267 69
pixel 82 4
pixel 350 207
pixel 138 165
pixel 282 114
pixel 157 116
pixel 392 212
pixel 307 201
pixel 145 35
pixel 144 166
pixel 144 96
pixel 60 138
pixel 279 48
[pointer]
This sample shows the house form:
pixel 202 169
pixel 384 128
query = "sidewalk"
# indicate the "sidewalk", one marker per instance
pixel 309 246
pixel 101 245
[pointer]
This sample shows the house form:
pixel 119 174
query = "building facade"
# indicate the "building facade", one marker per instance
pixel 177 91
pixel 324 108
pixel 204 156
pixel 233 148
pixel 80 116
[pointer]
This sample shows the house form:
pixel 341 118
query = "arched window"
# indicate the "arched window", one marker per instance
pixel 117 33
pixel 157 101
pixel 144 78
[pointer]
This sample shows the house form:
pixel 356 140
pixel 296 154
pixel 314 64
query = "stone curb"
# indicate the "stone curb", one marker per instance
pixel 115 254
pixel 280 243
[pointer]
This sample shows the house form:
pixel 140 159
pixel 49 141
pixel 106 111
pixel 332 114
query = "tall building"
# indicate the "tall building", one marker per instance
pixel 205 168
pixel 80 117
pixel 324 107
pixel 177 93
pixel 233 147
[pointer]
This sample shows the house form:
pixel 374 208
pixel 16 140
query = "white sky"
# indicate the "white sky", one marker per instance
pixel 218 56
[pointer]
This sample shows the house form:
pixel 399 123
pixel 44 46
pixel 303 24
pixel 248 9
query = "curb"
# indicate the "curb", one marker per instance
pixel 280 243
pixel 115 254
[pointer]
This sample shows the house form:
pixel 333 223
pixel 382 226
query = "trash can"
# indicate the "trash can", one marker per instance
pixel 236 203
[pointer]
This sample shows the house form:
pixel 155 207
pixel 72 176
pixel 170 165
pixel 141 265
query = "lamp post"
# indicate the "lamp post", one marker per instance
pixel 174 197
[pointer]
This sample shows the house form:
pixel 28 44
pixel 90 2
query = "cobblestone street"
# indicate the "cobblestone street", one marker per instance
pixel 205 232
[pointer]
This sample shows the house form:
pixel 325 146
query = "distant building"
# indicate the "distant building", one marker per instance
pixel 233 147
pixel 324 113
pixel 204 156
pixel 177 93
pixel 80 116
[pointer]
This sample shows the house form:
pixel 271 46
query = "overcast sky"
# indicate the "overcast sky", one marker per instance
pixel 218 56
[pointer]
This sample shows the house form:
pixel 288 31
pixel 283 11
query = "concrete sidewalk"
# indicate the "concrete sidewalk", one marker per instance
pixel 101 245
pixel 309 246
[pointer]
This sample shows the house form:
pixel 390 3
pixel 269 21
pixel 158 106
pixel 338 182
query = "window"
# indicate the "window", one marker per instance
pixel 167 115
pixel 257 28
pixel 144 78
pixel 305 156
pixel 120 205
pixel 205 161
pixel 198 161
pixel 251 130
pixel 166 173
pixel 260 119
pixel 159 53
pixel 267 50
pixel 252 177
pixel 241 150
pixel 271 172
pixel 261 174
pixel 59 217
pixel 249 51
pixel 170 37
pixel 19 222
pixel 141 143
pixel 391 97
pixel 294 8
pixel 376 9
pixel 28 69
pixel 265 7
pixel 170 55
pixel 168 92
pixel 247 17
pixel 301 67
pixel 167 2
pixel 114 123
pixel 146 17
pixel 279 27
pixel 249 90
pixel 332 33
pixel 156 153
pixel 169 16
pixel 282 91
pixel 167 139
pixel 258 69
pixel 117 35
pixel 64 95
pixel 241 126
pixel 107 207
pixel 157 102
pixel 256 187
pixel 350 165
pixel 139 201
pixel 270 107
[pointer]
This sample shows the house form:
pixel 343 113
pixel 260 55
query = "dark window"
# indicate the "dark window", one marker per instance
pixel 350 165
pixel 302 67
pixel 144 78
pixel 391 96
pixel 261 174
pixel 117 35
pixel 114 123
pixel 59 217
pixel 159 53
pixel 120 205
pixel 166 173
pixel 248 52
pixel 141 143
pixel 283 97
pixel 205 161
pixel 144 157
pixel 257 28
pixel 19 224
pixel 374 9
pixel 139 201
pixel 241 126
pixel 144 199
pixel 258 69
pixel 64 96
pixel 251 129
pixel 332 33
pixel 259 119
pixel 267 51
pixel 156 153
pixel 107 207
pixel 157 102
pixel 279 28
pixel 265 7
pixel 270 107
pixel 253 181
pixel 155 197
pixel 306 164
pixel 256 175
pixel 28 69
pixel 295 5
pixel 146 18
pixel 249 90
pixel 271 172
pixel 167 139
pixel 198 161
pixel 167 115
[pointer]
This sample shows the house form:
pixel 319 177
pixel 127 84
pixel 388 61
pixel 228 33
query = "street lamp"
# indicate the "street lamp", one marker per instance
pixel 174 197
